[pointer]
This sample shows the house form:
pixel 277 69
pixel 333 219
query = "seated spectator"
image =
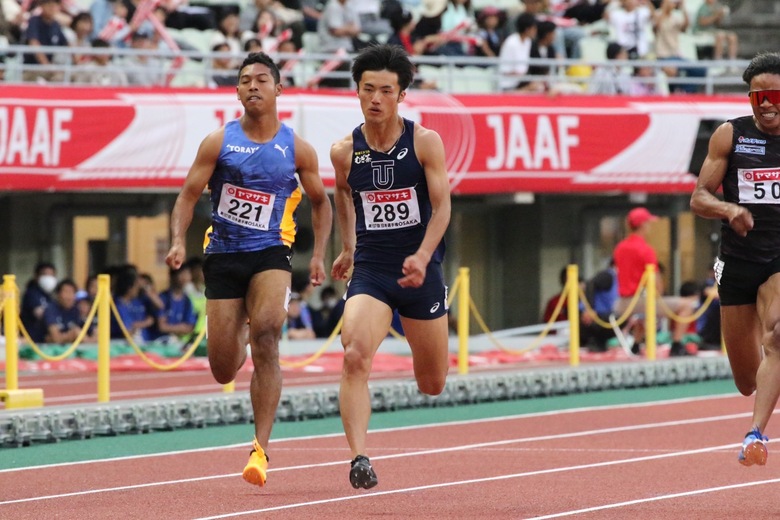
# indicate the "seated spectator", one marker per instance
pixel 222 72
pixel 228 32
pixel 130 306
pixel 143 69
pixel 542 47
pixel 100 69
pixel 490 21
pixel 515 53
pixel 711 19
pixel 632 24
pixel 62 318
pixel 43 30
pixel 288 15
pixel 611 79
pixel 428 28
pixel 253 45
pixel 338 28
pixel 312 12
pixel 299 322
pixel 79 34
pixel 266 28
pixel 321 316
pixel 36 298
pixel 669 22
pixel 176 320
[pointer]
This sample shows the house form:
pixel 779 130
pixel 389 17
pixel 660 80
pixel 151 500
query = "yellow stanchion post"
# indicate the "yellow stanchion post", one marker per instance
pixel 230 387
pixel 573 309
pixel 11 394
pixel 104 337
pixel 651 320
pixel 463 320
pixel 11 329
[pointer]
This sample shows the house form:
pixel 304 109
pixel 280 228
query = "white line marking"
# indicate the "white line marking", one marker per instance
pixel 656 498
pixel 469 482
pixel 473 446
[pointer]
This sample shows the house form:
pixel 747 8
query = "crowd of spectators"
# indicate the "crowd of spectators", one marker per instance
pixel 54 309
pixel 550 29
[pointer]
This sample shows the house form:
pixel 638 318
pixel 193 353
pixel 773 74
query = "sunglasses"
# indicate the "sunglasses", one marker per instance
pixel 757 97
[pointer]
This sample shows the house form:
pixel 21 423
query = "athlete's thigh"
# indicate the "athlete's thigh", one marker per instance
pixel 741 329
pixel 366 323
pixel 769 303
pixel 226 322
pixel 267 299
pixel 429 342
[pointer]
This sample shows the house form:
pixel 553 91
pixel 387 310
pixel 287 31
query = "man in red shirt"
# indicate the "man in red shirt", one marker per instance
pixel 631 256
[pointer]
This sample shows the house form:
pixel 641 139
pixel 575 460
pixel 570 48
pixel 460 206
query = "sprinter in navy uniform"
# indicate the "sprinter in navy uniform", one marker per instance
pixel 744 159
pixel 249 166
pixel 393 206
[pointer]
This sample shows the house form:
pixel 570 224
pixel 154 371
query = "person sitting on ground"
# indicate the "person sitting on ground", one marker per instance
pixel 62 318
pixel 176 320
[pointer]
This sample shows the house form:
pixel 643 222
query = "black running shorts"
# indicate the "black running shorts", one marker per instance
pixel 228 274
pixel 739 280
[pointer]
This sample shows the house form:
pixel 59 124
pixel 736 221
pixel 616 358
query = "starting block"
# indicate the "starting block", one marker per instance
pixel 26 398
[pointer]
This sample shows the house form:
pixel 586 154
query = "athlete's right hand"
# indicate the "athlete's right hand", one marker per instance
pixel 342 266
pixel 176 256
pixel 741 221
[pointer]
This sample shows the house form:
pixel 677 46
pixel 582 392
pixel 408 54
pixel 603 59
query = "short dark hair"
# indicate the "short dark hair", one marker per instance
pixel 524 22
pixel 544 28
pixel 262 59
pixel 64 283
pixel 763 63
pixel 613 49
pixel 42 266
pixel 392 58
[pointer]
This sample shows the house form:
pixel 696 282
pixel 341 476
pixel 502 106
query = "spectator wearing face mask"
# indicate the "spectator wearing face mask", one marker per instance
pixel 38 296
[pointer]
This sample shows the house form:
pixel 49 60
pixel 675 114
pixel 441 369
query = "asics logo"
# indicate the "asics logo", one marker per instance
pixel 283 150
pixel 402 153
pixel 435 307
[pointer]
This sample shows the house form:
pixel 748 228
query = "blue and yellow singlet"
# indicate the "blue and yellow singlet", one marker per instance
pixel 254 193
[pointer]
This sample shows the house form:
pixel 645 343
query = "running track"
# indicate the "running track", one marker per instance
pixel 639 460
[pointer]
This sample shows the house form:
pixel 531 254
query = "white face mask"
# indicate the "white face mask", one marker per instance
pixel 189 288
pixel 47 282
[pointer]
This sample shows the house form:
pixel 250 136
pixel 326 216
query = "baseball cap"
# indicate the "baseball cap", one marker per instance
pixel 638 216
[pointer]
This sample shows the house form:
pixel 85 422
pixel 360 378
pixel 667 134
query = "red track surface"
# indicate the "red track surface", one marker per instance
pixel 669 460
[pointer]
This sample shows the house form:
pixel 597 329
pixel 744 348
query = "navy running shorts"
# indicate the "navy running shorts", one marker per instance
pixel 739 280
pixel 227 275
pixel 427 302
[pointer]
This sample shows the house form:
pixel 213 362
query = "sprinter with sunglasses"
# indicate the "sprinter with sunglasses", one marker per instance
pixel 744 159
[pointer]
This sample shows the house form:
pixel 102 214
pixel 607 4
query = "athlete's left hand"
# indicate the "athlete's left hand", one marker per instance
pixel 316 271
pixel 414 271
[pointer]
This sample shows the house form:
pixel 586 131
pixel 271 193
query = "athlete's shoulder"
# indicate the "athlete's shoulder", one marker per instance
pixel 213 141
pixel 341 149
pixel 426 136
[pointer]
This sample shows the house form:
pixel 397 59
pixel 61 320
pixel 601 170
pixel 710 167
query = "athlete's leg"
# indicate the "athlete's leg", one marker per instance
pixel 366 323
pixel 227 337
pixel 742 332
pixel 429 342
pixel 266 301
pixel 768 377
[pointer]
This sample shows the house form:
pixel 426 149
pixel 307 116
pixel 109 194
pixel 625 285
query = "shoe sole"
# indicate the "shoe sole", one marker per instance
pixel 254 476
pixel 362 478
pixel 754 453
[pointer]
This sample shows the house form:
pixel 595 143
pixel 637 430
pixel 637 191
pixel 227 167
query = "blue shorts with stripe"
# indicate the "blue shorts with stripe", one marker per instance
pixel 427 302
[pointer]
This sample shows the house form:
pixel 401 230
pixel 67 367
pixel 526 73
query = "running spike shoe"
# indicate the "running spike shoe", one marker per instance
pixel 362 474
pixel 753 449
pixel 257 467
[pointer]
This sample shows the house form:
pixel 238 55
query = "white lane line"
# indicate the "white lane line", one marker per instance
pixel 467 482
pixel 435 451
pixel 413 427
pixel 657 498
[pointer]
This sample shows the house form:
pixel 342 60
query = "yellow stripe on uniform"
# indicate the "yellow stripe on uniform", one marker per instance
pixel 288 224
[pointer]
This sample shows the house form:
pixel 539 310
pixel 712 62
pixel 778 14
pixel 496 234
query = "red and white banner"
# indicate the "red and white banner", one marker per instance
pixel 120 139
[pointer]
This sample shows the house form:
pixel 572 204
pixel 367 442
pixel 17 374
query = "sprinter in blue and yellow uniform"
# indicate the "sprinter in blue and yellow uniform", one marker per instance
pixel 249 166
pixel 393 205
